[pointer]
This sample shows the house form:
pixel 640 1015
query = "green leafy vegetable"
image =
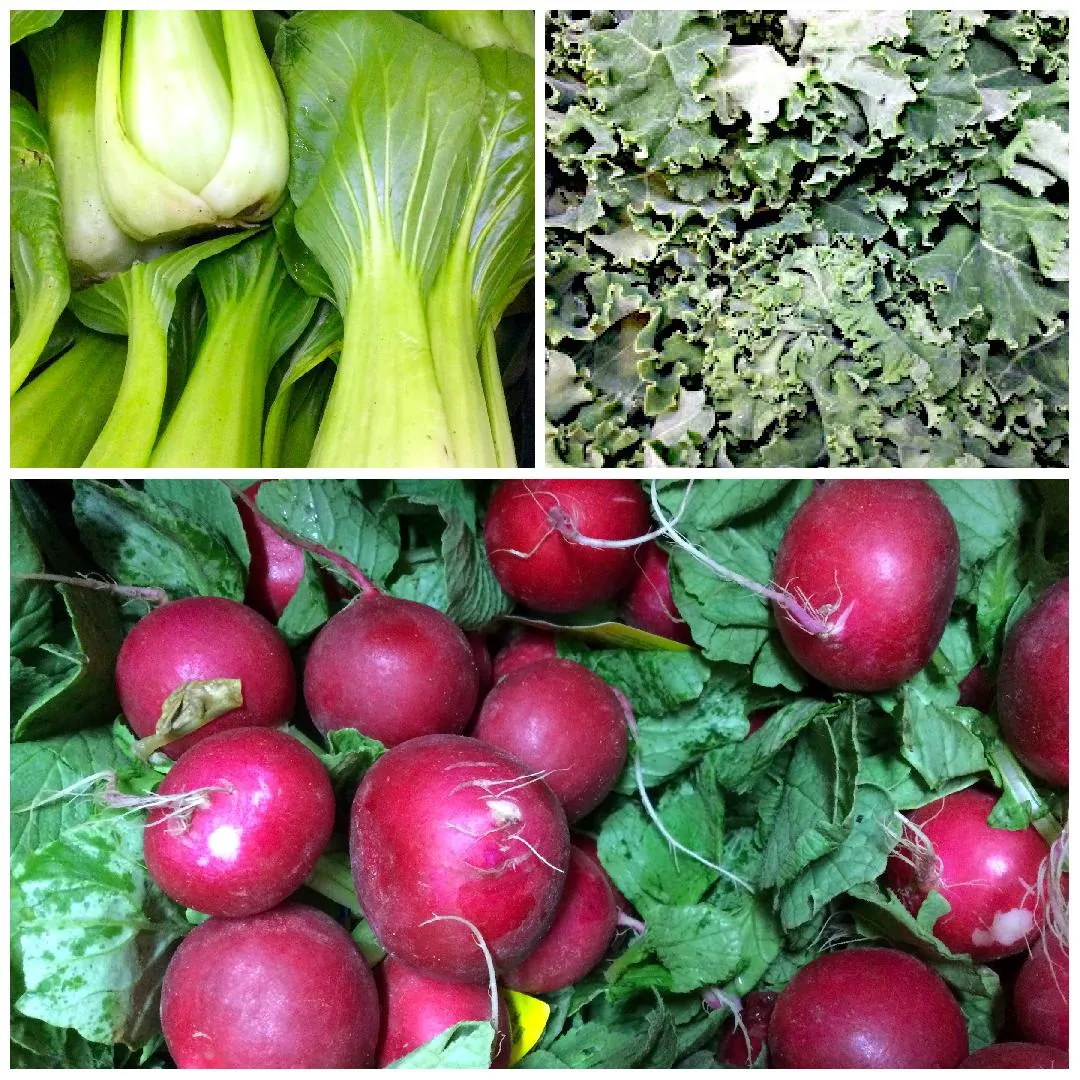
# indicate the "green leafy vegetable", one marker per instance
pixel 807 238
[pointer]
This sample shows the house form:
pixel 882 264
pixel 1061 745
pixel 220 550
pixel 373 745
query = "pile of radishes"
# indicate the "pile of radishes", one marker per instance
pixel 460 838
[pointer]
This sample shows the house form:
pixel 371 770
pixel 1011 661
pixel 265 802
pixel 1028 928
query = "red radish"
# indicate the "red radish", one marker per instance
pixel 1041 994
pixel 525 647
pixel 866 1009
pixel 1016 1055
pixel 482 658
pixel 757 718
pixel 587 846
pixel 563 721
pixel 197 639
pixel 416 1008
pixel 286 989
pixel 266 814
pixel 537 535
pixel 277 566
pixel 878 561
pixel 987 875
pixel 977 690
pixel 392 669
pixel 1033 686
pixel 647 604
pixel 446 826
pixel 584 925
pixel 741 1044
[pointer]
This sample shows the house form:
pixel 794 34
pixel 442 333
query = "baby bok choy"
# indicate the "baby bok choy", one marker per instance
pixel 412 179
pixel 254 313
pixel 190 122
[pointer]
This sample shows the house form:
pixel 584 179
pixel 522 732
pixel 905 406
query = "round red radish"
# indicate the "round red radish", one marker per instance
pixel 538 565
pixel 266 814
pixel 741 1046
pixel 286 989
pixel 1033 686
pixel 482 658
pixel 757 718
pixel 647 604
pixel 201 638
pixel 527 646
pixel 579 936
pixel 866 1009
pixel 977 690
pixel 563 721
pixel 416 1008
pixel 446 826
pixel 277 566
pixel 879 560
pixel 393 670
pixel 987 875
pixel 587 846
pixel 1041 995
pixel 1016 1055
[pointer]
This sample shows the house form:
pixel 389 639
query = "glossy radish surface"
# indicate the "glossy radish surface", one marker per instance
pixel 257 834
pixel 416 1008
pixel 539 566
pixel 1041 995
pixel 200 638
pixel 1033 686
pixel 277 566
pixel 447 826
pixel 880 559
pixel 561 720
pixel 987 875
pixel 286 989
pixel 587 846
pixel 647 603
pixel 525 647
pixel 866 1009
pixel 393 670
pixel 740 1048
pixel 1017 1055
pixel 579 936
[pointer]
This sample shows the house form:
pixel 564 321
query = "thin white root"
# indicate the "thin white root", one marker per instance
pixel 914 849
pixel 521 839
pixel 630 923
pixel 1050 893
pixel 715 999
pixel 803 617
pixel 655 818
pixel 493 986
pixel 180 807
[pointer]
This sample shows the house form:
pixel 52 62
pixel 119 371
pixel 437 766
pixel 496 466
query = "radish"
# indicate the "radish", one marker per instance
pixel 876 562
pixel 482 658
pixel 1041 994
pixel 977 690
pixel 195 640
pixel 537 535
pixel 1033 686
pixel 392 669
pixel 264 813
pixel 564 722
pixel 285 989
pixel 444 829
pixel 525 647
pixel 587 846
pixel 741 1042
pixel 987 875
pixel 584 924
pixel 866 1009
pixel 416 1008
pixel 1016 1055
pixel 277 566
pixel 647 603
